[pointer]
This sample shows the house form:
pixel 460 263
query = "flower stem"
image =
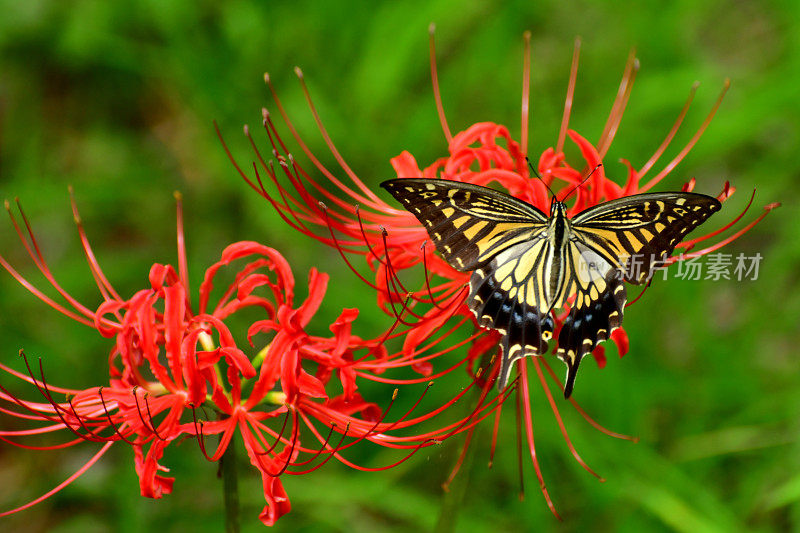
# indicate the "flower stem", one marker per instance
pixel 230 487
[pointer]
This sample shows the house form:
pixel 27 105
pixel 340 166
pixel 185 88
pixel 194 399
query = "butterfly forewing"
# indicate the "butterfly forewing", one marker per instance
pixel 468 224
pixel 638 232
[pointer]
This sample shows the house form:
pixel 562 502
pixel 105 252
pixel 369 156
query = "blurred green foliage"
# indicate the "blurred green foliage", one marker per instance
pixel 118 99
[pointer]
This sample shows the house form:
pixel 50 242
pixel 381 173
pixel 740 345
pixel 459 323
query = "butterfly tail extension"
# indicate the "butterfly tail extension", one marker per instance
pixel 583 330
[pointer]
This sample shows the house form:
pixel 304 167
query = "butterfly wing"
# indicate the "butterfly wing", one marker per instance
pixel 502 239
pixel 468 224
pixel 624 239
pixel 510 295
pixel 637 233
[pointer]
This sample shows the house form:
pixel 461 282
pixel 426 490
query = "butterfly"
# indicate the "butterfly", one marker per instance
pixel 526 265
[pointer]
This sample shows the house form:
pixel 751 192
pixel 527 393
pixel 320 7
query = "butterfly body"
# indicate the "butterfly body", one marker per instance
pixel 525 264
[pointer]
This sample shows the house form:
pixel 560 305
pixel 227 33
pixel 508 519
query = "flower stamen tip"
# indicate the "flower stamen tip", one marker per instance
pixel 298 72
pixel 773 205
pixel 526 35
pixel 395 393
pixel 264 113
pixel 431 28
pixel 266 77
pixel 177 195
pixel 323 205
pixel 246 130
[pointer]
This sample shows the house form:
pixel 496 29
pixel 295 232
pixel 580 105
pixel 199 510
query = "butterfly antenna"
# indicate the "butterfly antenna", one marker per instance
pixel 581 183
pixel 552 194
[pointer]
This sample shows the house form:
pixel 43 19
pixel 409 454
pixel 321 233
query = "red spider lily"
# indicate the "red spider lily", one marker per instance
pixel 355 221
pixel 169 361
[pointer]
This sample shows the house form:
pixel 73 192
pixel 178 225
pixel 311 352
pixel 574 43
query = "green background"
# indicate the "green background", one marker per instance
pixel 118 99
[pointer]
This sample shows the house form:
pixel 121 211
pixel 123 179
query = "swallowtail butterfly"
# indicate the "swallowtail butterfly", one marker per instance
pixel 525 264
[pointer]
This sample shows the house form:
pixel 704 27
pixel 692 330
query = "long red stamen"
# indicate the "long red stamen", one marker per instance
pixel 183 268
pixel 560 422
pixel 528 418
pixel 767 209
pixel 573 76
pixel 583 413
pixel 526 92
pixel 495 431
pixel 106 289
pixel 66 482
pixel 331 454
pixel 198 431
pixel 670 135
pixel 620 102
pixel 435 82
pixel 688 244
pixel 339 159
pixel 279 436
pixel 110 421
pixel 88 316
pixel 295 437
pixel 149 414
pixel 678 158
pixel 641 293
pixel 359 198
pixel 57 408
pixel 460 461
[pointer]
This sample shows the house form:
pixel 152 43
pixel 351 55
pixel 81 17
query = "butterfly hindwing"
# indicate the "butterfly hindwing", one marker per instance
pixel 509 295
pixel 596 310
pixel 468 224
pixel 636 233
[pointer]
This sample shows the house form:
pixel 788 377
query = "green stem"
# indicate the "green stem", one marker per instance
pixel 230 487
pixel 230 474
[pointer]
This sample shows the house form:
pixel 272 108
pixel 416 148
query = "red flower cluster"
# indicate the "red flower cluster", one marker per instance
pixel 171 367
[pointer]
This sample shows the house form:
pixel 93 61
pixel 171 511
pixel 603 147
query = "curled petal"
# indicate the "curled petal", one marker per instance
pixel 151 484
pixel 405 165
